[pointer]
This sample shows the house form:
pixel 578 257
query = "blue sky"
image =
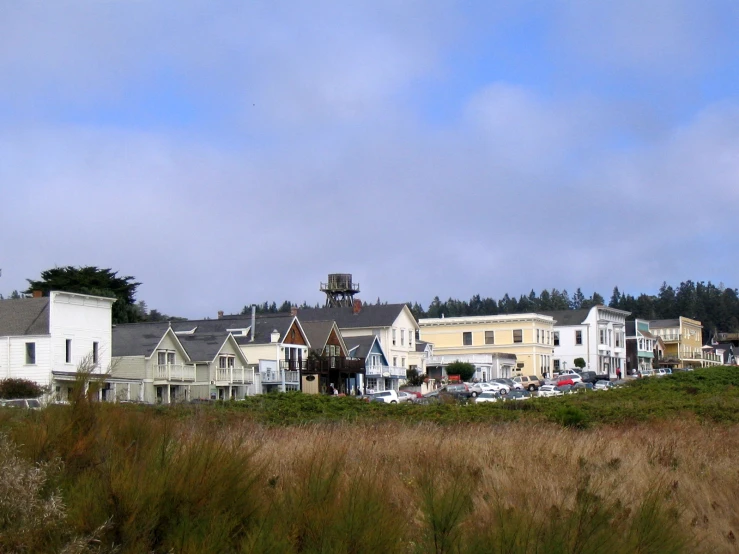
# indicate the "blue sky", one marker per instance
pixel 225 153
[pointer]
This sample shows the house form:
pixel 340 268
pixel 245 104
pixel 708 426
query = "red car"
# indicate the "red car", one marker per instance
pixel 564 380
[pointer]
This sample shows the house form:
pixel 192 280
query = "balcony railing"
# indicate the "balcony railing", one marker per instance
pixel 324 364
pixel 689 354
pixel 386 371
pixel 272 376
pixel 240 375
pixel 670 337
pixel 174 372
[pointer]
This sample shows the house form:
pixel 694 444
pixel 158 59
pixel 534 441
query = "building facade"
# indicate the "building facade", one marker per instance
pixel 597 335
pixel 683 343
pixel 529 337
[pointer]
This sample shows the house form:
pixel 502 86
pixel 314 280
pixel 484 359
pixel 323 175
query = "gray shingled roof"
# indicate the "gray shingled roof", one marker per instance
pixel 373 315
pixel 362 344
pixel 137 339
pixel 265 324
pixel 567 317
pixel 24 316
pixel 664 323
pixel 202 348
pixel 421 345
pixel 317 333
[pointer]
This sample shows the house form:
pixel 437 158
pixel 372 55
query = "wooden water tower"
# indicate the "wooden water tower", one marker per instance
pixel 340 290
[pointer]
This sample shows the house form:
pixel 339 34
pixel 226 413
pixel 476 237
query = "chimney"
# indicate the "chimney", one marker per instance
pixel 38 294
pixel 253 322
pixel 357 307
pixel 220 314
pixel 294 311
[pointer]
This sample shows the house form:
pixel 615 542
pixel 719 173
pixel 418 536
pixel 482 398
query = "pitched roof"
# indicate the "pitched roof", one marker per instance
pixel 202 348
pixel 137 339
pixel 360 346
pixel 372 315
pixel 265 324
pixel 421 345
pixel 664 323
pixel 568 317
pixel 318 332
pixel 24 316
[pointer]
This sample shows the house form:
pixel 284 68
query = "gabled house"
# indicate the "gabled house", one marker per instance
pixel 274 344
pixel 597 335
pixel 46 339
pixel 378 372
pixel 393 324
pixel 167 366
pixel 329 362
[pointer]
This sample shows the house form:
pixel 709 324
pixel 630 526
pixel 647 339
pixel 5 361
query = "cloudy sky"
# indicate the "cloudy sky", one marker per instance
pixel 230 152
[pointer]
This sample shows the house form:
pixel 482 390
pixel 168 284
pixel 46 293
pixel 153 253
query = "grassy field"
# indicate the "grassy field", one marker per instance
pixel 650 468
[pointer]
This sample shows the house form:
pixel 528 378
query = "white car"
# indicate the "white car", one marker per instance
pixel 603 385
pixel 494 386
pixel 386 396
pixel 660 372
pixel 487 397
pixel 549 390
pixel 568 372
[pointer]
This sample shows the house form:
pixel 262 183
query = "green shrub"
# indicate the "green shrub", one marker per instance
pixel 19 388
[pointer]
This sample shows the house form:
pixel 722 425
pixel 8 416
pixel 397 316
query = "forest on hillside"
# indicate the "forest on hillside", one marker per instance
pixel 715 306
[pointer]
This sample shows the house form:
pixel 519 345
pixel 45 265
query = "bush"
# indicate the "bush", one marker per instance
pixel 465 370
pixel 19 388
pixel 571 416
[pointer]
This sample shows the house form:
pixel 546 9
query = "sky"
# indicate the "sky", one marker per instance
pixel 228 152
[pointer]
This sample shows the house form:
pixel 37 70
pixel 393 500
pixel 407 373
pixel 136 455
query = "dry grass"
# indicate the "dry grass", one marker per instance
pixel 142 481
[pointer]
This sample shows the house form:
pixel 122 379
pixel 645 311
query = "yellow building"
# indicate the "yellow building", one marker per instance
pixel 528 336
pixel 683 340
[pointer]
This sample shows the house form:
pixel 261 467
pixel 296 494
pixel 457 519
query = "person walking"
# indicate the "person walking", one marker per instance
pixel 618 373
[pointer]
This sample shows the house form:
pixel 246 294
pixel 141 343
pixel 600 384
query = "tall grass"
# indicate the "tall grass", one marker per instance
pixel 126 479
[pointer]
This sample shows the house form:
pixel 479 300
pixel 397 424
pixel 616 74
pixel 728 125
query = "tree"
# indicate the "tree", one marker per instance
pixel 413 377
pixel 579 362
pixel 615 298
pixel 577 299
pixel 466 371
pixel 95 281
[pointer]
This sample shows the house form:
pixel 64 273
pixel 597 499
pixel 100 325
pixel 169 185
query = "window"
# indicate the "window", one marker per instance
pixel 95 353
pixel 578 337
pixel 518 335
pixel 68 351
pixel 30 353
pixel 402 362
pixel 489 337
pixel 393 337
pixel 602 336
pixel 556 365
pixel 555 335
pixel 395 361
pixel 549 338
pixel 170 358
pixel 371 383
pixel 402 337
pixel 161 358
pixel 618 339
pixel 537 335
pixel 467 338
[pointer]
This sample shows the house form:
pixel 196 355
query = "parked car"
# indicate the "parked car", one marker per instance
pixel 495 386
pixel 27 403
pixel 588 376
pixel 603 385
pixel 582 386
pixel 432 397
pixel 474 389
pixel 565 380
pixel 660 372
pixel 566 389
pixel 519 395
pixel 488 397
pixel 459 391
pixel 386 396
pixel 549 390
pixel 529 382
pixel 404 396
pixel 510 382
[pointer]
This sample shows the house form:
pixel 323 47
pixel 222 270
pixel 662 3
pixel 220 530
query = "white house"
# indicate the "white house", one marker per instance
pixel 597 335
pixel 45 339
